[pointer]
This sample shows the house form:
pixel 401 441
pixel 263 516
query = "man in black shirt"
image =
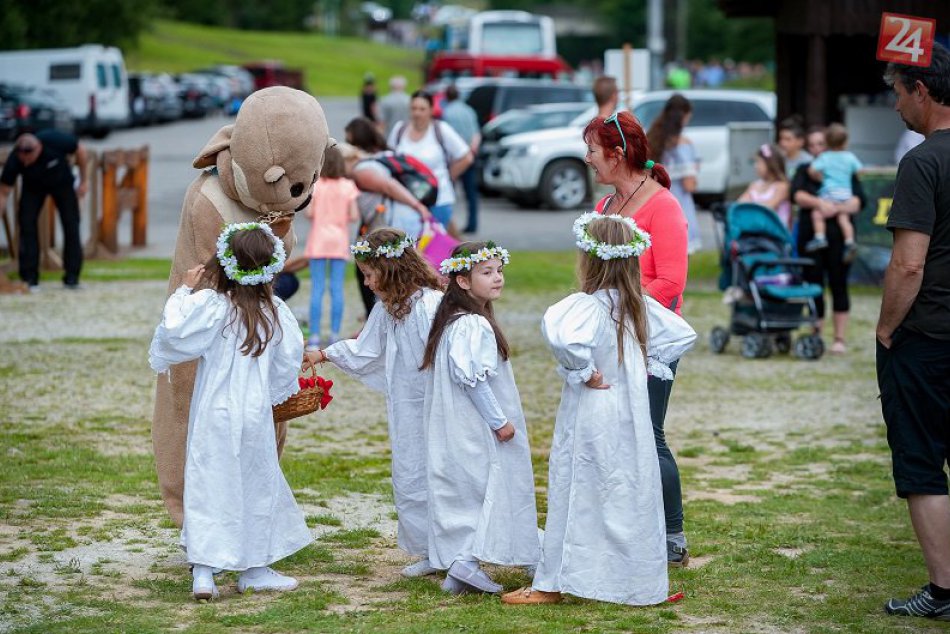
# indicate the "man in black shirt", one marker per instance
pixel 913 331
pixel 43 162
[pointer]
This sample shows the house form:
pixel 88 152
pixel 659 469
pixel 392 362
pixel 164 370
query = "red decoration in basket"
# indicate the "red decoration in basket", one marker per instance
pixel 314 394
pixel 326 384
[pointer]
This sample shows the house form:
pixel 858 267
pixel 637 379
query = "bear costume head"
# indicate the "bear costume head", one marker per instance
pixel 271 157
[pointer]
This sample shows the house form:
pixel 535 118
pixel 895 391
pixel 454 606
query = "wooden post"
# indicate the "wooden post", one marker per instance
pixel 140 217
pixel 129 193
pixel 108 225
pixel 816 95
pixel 91 247
pixel 627 75
pixel 49 259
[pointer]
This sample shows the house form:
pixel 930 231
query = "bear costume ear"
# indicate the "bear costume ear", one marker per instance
pixel 220 141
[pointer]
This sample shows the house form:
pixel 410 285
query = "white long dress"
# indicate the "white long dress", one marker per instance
pixel 481 490
pixel 386 357
pixel 239 510
pixel 605 536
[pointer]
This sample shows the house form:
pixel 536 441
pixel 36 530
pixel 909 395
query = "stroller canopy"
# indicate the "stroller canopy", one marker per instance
pixel 754 219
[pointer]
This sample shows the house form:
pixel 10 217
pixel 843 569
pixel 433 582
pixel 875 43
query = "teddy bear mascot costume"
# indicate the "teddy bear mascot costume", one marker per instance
pixel 263 169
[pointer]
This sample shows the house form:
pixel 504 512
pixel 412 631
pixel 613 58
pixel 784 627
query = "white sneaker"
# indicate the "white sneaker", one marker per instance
pixel 470 573
pixel 262 579
pixel 419 569
pixel 203 587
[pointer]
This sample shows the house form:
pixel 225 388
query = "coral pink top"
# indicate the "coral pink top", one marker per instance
pixel 330 218
pixel 664 265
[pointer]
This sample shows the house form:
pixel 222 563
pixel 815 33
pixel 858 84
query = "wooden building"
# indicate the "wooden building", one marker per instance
pixel 825 49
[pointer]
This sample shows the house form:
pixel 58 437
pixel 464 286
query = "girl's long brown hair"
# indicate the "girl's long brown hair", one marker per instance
pixel 666 129
pixel 456 302
pixel 253 305
pixel 622 274
pixel 399 278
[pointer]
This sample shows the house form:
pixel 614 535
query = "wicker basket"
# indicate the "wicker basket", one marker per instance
pixel 304 402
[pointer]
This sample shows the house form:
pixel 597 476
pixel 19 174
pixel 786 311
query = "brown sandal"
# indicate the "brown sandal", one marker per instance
pixel 530 596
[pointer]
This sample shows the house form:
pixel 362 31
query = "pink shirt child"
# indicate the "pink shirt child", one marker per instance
pixel 331 210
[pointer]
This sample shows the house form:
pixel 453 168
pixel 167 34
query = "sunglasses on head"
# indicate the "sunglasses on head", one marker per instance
pixel 613 119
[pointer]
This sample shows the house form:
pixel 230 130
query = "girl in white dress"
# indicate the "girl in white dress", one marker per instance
pixel 386 356
pixel 481 486
pixel 239 511
pixel 605 534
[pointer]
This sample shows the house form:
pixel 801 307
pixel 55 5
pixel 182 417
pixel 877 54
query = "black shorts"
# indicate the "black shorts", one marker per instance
pixel 914 379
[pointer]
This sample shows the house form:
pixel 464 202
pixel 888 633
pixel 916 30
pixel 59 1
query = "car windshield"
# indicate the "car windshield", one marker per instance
pixel 706 112
pixel 511 38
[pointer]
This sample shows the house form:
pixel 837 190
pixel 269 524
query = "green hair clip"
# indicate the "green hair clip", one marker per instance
pixel 648 164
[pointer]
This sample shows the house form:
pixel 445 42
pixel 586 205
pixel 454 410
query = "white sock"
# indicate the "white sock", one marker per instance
pixel 677 539
pixel 202 573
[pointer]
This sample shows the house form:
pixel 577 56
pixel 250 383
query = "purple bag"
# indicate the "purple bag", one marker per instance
pixel 435 243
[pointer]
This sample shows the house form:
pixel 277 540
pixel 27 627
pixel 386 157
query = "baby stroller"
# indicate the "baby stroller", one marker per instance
pixel 770 298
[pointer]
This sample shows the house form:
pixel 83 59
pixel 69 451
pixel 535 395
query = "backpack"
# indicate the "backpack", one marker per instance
pixel 413 174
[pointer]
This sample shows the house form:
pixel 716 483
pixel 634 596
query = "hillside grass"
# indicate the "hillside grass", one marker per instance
pixel 333 66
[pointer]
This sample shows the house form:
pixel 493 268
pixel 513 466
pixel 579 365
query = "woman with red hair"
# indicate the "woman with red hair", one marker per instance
pixel 618 152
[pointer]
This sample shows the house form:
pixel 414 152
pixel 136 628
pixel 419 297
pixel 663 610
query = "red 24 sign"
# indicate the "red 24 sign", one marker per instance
pixel 906 39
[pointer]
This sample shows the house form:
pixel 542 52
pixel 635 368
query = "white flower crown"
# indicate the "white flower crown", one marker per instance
pixel 229 262
pixel 604 251
pixel 392 249
pixel 466 261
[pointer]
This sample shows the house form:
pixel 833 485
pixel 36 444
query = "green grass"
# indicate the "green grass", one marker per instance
pixel 531 271
pixel 333 66
pixel 794 527
pixel 130 269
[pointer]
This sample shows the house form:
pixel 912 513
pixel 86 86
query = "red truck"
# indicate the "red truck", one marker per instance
pixel 499 44
pixel 273 73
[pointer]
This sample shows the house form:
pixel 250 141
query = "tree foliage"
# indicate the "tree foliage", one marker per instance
pixel 273 15
pixel 62 23
pixel 711 34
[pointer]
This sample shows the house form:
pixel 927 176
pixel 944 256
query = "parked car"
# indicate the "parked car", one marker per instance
pixel 90 79
pixel 240 84
pixel 492 96
pixel 153 99
pixel 8 123
pixel 520 120
pixel 194 91
pixel 31 109
pixel 375 15
pixel 548 165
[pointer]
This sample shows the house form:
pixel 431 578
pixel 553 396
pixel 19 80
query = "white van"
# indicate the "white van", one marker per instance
pixel 91 79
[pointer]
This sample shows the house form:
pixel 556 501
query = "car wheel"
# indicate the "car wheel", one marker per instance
pixel 564 184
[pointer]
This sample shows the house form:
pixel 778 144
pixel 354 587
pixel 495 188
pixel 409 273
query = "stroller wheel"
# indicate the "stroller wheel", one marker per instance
pixel 718 339
pixel 756 345
pixel 809 347
pixel 783 343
